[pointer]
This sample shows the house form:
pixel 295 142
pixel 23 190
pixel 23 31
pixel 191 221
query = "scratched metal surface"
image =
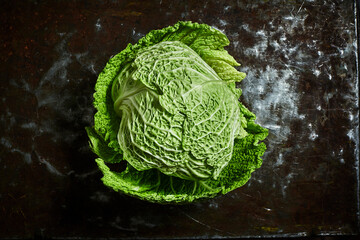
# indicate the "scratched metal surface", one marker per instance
pixel 301 63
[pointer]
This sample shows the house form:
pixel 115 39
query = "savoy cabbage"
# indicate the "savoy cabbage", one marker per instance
pixel 168 106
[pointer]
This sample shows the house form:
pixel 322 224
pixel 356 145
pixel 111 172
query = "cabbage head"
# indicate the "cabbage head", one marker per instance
pixel 168 106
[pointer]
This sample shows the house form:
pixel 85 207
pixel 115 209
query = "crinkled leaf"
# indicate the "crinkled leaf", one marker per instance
pixel 177 114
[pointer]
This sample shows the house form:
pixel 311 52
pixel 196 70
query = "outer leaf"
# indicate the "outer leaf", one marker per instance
pixel 99 147
pixel 154 186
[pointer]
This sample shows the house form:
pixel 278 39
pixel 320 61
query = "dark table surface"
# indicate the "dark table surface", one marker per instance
pixel 301 63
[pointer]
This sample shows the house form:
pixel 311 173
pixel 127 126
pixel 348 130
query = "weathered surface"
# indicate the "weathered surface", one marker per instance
pixel 301 61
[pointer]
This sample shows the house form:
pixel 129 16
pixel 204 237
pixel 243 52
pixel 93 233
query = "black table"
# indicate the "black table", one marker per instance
pixel 302 82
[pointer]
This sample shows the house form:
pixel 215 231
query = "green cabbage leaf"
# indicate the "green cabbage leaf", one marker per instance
pixel 168 106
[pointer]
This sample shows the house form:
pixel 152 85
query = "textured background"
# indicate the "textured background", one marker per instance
pixel 301 61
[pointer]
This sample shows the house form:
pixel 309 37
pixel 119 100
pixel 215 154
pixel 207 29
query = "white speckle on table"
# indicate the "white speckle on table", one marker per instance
pixel 317 72
pixel 272 91
pixel 282 38
pixel 80 56
pixel 58 69
pixel 281 96
pixel 276 45
pixel 258 49
pixel 98 26
pixel 50 94
pixel 351 135
pixel 260 89
pixel 294 21
pixel 351 116
pixel 313 135
pixel 30 125
pixel 345 67
pixel 92 68
pixel 340 156
pixel 223 22
pixel 214 204
pixel 302 116
pixel 272 127
pixel 138 221
pixel 49 166
pixel 137 35
pixel 285 183
pixel 260 33
pixel 100 197
pixel 279 160
pixel 6 143
pixel 245 27
pixel 235 43
pixel 328 96
pixel 227 8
